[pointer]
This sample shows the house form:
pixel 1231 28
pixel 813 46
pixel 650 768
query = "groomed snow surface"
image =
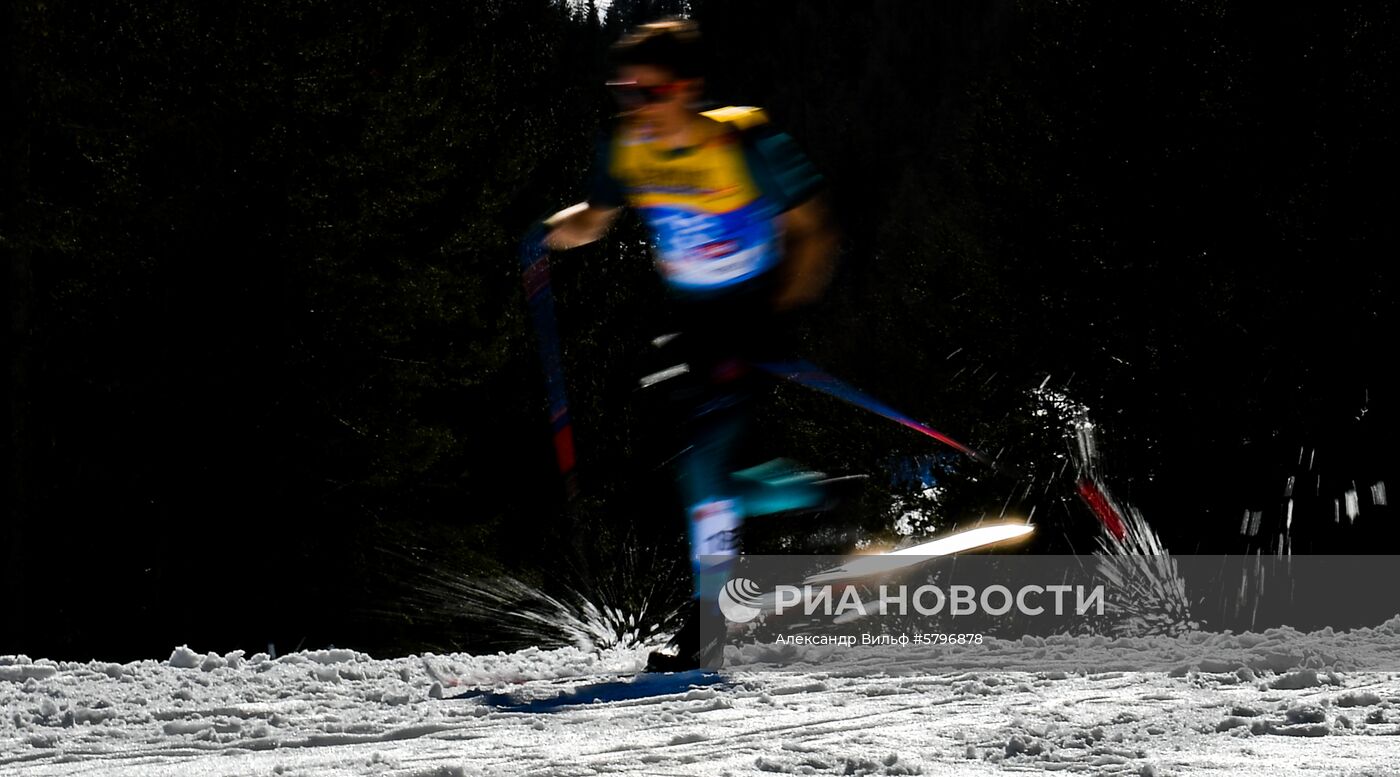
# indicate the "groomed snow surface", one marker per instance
pixel 1274 703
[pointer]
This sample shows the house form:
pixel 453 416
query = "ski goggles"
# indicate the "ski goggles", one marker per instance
pixel 632 94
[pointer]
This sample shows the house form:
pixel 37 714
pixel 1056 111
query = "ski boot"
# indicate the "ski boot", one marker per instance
pixel 685 652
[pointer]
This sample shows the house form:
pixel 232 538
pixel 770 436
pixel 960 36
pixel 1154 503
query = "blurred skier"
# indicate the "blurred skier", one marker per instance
pixel 741 239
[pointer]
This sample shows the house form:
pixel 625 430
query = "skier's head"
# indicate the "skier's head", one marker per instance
pixel 671 44
pixel 658 70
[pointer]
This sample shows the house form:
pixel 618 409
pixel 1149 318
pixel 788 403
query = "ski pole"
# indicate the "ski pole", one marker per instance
pixel 534 265
pixel 807 374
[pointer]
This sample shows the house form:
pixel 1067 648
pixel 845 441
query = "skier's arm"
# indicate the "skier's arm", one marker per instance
pixel 809 244
pixel 578 225
pixel 587 221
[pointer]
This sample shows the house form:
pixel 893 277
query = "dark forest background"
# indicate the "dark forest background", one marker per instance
pixel 272 378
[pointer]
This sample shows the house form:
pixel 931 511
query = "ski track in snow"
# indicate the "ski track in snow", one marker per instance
pixel 1270 704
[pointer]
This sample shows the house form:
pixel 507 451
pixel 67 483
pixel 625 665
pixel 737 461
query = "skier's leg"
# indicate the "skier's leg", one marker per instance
pixel 714 510
pixel 780 485
pixel 714 514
